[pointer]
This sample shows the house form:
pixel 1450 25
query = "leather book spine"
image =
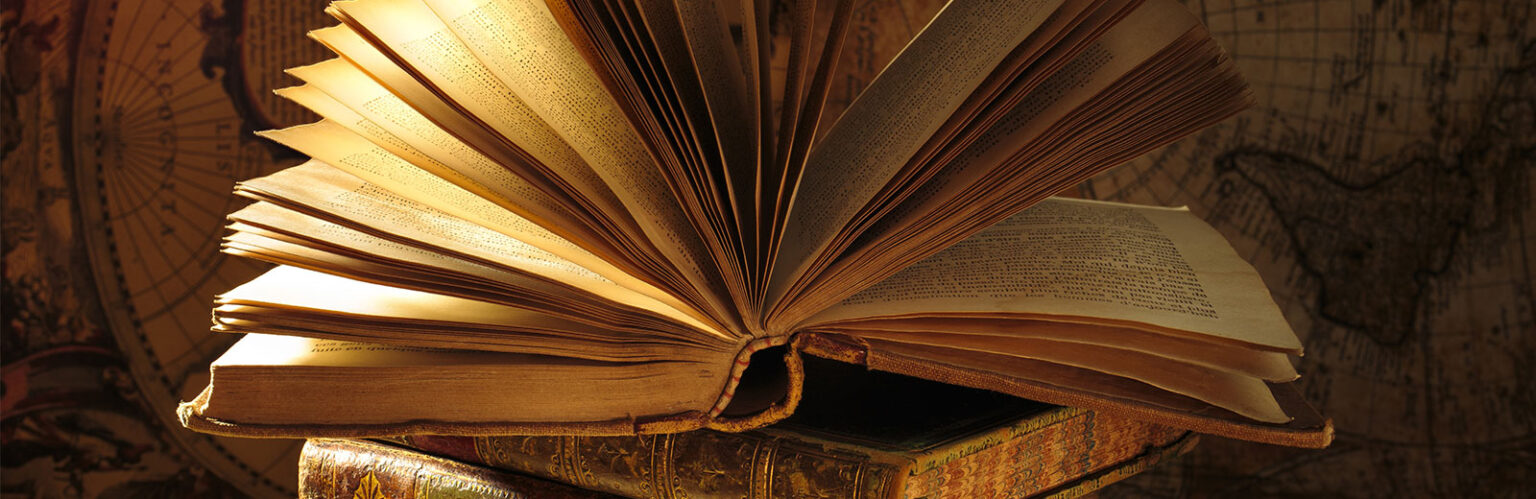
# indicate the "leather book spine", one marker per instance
pixel 693 464
pixel 1085 485
pixel 357 469
pixel 1054 450
pixel 1035 455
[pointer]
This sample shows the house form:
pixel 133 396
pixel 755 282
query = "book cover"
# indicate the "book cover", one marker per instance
pixel 856 434
pixel 359 469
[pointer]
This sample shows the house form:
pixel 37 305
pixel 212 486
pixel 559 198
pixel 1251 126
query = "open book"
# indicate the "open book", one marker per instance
pixel 610 217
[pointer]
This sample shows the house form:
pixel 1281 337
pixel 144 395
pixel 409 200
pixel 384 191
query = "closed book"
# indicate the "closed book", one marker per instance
pixel 857 434
pixel 360 469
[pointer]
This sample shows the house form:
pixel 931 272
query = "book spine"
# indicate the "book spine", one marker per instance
pixel 1085 485
pixel 1035 455
pixel 356 469
pixel 694 464
pixel 1053 451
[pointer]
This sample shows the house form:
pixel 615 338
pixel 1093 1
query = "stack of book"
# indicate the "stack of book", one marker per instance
pixel 613 218
pixel 857 434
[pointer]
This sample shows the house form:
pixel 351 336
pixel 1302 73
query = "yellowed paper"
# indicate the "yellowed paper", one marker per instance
pixel 529 273
pixel 532 87
pixel 1244 395
pixel 1088 261
pixel 1266 365
pixel 894 116
pixel 292 380
pixel 351 197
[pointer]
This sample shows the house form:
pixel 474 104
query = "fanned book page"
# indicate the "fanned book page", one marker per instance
pixel 635 216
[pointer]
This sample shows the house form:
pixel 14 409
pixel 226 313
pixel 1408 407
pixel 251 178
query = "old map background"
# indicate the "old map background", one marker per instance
pixel 1382 186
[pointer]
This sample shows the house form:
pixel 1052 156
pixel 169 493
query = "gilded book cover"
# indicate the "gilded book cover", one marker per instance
pixel 360 469
pixel 858 434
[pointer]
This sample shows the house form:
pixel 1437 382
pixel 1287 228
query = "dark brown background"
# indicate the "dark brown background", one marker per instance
pixel 1382 186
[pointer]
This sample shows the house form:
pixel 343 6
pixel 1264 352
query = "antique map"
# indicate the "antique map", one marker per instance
pixel 126 124
pixel 1382 186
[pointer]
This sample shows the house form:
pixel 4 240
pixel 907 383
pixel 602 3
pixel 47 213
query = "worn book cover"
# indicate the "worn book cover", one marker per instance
pixel 359 469
pixel 857 433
